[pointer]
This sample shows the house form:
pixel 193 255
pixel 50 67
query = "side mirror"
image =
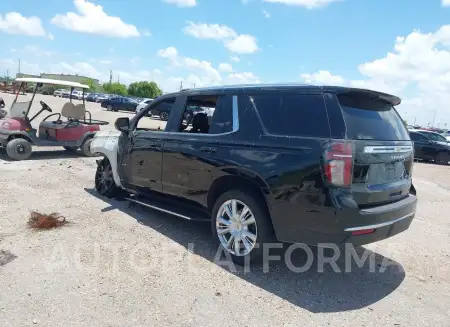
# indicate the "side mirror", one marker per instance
pixel 122 124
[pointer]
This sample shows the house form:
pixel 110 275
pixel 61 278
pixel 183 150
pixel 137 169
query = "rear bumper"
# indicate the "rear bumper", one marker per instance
pixel 339 226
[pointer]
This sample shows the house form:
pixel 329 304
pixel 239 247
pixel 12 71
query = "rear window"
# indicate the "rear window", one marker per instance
pixel 293 114
pixel 367 118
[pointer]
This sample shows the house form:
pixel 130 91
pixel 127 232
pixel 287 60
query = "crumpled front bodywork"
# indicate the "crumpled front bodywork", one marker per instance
pixel 107 144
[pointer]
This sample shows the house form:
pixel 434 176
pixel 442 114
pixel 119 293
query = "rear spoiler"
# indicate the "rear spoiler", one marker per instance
pixel 392 99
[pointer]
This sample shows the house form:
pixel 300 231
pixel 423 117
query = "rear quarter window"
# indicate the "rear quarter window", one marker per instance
pixel 293 114
pixel 368 118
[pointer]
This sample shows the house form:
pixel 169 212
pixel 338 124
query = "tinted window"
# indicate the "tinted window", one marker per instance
pixel 435 137
pixel 166 105
pixel 417 137
pixel 367 118
pixel 292 114
pixel 222 118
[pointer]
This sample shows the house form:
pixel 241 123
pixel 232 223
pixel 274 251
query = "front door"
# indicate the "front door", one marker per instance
pixel 140 160
pixel 140 153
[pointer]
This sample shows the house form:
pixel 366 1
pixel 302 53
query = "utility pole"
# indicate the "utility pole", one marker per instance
pixel 434 117
pixel 181 85
pixel 415 120
pixel 110 77
pixel 118 78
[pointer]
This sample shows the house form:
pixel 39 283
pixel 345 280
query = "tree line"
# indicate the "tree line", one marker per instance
pixel 141 89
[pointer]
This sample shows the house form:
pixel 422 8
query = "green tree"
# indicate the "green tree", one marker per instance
pixel 92 85
pixel 144 89
pixel 115 88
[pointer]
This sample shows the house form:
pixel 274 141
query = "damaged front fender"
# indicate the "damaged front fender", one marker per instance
pixel 107 144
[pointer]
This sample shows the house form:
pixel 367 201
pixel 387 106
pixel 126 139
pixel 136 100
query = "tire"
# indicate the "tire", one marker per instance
pixel 104 180
pixel 109 107
pixel 18 149
pixel 86 148
pixel 441 158
pixel 261 228
pixel 164 116
pixel 70 148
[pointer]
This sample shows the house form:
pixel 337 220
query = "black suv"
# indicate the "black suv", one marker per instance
pixel 291 163
pixel 430 146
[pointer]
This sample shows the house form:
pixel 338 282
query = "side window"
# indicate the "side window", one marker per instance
pixel 207 115
pixel 222 116
pixel 421 138
pixel 293 114
pixel 149 124
pixel 414 136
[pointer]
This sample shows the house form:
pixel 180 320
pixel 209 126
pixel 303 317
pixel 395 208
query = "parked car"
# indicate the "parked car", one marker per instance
pixel 142 104
pixel 59 92
pixel 291 163
pixel 65 94
pixel 101 97
pixel 77 95
pixel 119 103
pixel 430 146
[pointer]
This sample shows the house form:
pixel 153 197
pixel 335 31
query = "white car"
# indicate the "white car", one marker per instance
pixel 141 105
pixel 59 92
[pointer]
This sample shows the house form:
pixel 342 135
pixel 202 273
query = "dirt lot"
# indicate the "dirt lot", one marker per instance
pixel 116 266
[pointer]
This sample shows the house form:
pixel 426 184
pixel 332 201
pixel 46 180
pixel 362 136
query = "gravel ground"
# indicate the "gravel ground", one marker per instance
pixel 119 266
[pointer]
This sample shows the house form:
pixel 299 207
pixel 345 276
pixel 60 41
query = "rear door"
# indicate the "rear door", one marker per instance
pixel 420 144
pixel 383 151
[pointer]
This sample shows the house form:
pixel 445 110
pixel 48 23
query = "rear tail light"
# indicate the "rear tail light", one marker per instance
pixel 363 232
pixel 339 163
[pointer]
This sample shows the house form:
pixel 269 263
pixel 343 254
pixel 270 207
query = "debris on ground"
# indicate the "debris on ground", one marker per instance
pixel 41 221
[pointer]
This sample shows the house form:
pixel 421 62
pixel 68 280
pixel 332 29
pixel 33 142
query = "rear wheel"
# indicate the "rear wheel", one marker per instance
pixel 164 116
pixel 104 180
pixel 109 107
pixel 442 158
pixel 18 149
pixel 241 226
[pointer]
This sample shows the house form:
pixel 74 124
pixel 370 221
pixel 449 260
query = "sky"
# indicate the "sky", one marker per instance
pixel 401 47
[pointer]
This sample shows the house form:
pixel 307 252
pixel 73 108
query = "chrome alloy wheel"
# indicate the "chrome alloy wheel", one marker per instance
pixel 236 227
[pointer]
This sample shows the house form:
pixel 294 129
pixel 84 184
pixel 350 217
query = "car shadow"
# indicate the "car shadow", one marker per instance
pixel 45 155
pixel 353 287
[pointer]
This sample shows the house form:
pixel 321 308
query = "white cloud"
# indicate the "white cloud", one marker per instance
pixel 225 67
pixel 445 3
pixel 266 13
pixel 209 31
pixel 105 62
pixel 202 73
pixel 323 77
pixel 182 3
pixel 243 44
pixel 92 19
pixel 50 36
pixel 242 78
pixel 418 70
pixel 309 4
pixel 78 68
pixel 15 23
pixel 235 58
pixel 168 53
pixel 234 42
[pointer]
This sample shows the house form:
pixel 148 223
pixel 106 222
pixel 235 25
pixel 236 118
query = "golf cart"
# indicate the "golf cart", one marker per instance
pixel 70 129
